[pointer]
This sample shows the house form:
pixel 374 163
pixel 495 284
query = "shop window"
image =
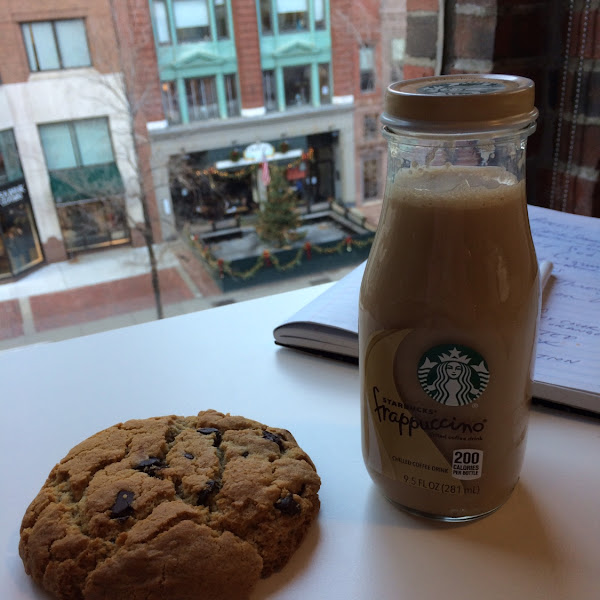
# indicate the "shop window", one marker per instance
pixel 83 176
pixel 270 91
pixel 319 14
pixel 266 19
pixel 191 20
pixel 231 95
pixel 370 179
pixel 296 83
pixel 292 15
pixel 370 127
pixel 324 84
pixel 20 246
pixel 161 22
pixel 10 165
pixel 170 101
pixel 201 95
pixel 93 224
pixel 366 59
pixel 54 45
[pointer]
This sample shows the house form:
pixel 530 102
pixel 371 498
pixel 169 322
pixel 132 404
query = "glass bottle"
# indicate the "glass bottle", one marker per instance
pixel 449 302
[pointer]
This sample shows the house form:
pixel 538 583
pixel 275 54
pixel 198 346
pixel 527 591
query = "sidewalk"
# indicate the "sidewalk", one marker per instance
pixel 110 289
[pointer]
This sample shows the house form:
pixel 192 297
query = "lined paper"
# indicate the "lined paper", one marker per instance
pixel 567 367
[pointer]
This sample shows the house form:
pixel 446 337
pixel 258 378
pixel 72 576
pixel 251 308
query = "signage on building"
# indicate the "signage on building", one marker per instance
pixel 12 193
pixel 259 151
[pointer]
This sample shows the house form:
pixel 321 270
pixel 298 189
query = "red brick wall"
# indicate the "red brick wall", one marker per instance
pixel 529 38
pixel 344 48
pixel 248 53
pixel 139 65
pixel 421 38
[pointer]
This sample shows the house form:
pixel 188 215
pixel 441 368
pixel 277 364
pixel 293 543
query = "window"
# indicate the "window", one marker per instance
pixel 76 143
pixel 201 95
pixel 292 15
pixel 370 179
pixel 319 14
pixel 370 127
pixel 56 44
pixel 161 22
pixel 80 160
pixel 19 242
pixel 10 165
pixel 85 182
pixel 231 96
pixel 191 20
pixel 270 90
pixel 296 82
pixel 398 49
pixel 266 24
pixel 366 61
pixel 221 20
pixel 324 84
pixel 170 102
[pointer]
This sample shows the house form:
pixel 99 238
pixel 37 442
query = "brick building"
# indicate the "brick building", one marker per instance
pixel 305 73
pixel 69 170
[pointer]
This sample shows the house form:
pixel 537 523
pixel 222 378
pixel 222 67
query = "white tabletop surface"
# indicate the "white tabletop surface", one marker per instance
pixel 543 544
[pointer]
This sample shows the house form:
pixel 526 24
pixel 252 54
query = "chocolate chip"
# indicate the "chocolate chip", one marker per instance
pixel 208 431
pixel 122 509
pixel 288 506
pixel 245 454
pixel 151 466
pixel 205 494
pixel 273 437
pixel 188 455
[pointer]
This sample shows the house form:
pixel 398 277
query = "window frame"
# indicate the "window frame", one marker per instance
pixel 33 56
pixel 215 16
pixel 370 184
pixel 196 87
pixel 369 73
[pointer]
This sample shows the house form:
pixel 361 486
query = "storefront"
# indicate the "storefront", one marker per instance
pixel 225 182
pixel 20 247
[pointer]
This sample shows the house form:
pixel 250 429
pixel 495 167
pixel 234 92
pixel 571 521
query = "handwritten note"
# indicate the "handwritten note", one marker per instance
pixel 567 367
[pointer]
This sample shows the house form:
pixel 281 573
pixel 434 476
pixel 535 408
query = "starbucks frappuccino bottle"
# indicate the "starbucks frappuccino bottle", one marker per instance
pixel 449 302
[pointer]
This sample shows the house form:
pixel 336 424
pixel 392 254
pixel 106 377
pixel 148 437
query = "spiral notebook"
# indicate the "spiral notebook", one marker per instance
pixel 567 367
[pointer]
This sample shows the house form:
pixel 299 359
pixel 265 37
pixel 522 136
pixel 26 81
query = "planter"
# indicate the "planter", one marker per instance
pixel 236 257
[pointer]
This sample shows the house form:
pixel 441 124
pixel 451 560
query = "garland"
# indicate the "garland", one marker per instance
pixel 309 155
pixel 268 260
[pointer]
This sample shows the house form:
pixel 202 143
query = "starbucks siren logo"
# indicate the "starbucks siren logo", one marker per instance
pixel 453 375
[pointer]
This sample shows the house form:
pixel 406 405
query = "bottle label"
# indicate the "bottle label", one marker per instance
pixel 453 375
pixel 407 440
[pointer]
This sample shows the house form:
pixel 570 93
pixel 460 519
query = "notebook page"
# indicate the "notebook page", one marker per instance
pixel 568 351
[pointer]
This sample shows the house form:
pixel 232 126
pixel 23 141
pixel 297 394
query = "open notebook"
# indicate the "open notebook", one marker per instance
pixel 567 368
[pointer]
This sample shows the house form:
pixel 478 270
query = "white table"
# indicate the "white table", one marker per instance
pixel 543 544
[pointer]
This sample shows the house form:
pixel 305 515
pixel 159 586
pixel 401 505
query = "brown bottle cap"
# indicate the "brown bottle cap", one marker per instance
pixel 460 103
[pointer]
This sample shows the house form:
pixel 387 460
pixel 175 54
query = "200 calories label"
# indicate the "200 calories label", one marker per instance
pixel 467 464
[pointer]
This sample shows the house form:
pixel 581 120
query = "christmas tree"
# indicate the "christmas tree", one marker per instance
pixel 278 220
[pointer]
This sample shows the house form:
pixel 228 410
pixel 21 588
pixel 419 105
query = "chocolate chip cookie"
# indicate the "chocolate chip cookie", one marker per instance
pixel 170 507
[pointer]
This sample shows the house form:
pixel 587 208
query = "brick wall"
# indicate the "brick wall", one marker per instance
pixel 344 48
pixel 138 63
pixel 248 53
pixel 545 41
